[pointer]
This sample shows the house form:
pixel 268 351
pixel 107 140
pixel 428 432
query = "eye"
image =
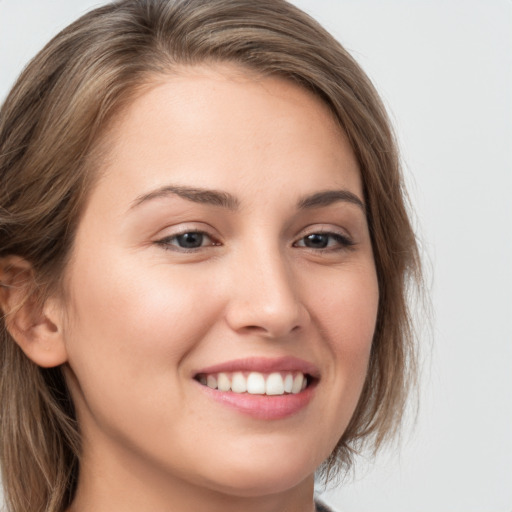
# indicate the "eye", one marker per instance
pixel 187 241
pixel 324 240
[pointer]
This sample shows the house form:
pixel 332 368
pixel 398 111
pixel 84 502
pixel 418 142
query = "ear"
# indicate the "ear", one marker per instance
pixel 36 327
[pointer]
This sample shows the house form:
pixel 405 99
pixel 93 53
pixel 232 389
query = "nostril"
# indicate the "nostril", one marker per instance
pixel 273 331
pixel 254 328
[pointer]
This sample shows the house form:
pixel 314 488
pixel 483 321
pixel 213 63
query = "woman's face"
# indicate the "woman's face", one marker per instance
pixel 225 245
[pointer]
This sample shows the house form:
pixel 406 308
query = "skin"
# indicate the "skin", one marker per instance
pixel 142 315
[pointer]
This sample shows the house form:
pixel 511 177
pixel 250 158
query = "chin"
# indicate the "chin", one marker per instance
pixel 260 482
pixel 263 474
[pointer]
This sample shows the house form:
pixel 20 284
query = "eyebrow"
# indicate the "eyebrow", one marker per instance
pixel 230 202
pixel 328 197
pixel 196 195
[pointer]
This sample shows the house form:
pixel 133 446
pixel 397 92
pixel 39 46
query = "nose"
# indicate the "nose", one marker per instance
pixel 265 297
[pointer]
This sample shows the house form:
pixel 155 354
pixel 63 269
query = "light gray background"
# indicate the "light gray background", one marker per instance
pixel 444 69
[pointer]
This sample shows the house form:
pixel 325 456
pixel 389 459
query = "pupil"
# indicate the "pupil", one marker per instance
pixel 317 241
pixel 190 240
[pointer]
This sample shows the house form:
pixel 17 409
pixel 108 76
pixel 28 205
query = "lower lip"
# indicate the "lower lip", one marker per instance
pixel 263 407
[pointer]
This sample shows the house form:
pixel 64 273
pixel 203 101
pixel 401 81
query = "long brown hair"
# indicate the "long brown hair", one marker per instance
pixel 50 126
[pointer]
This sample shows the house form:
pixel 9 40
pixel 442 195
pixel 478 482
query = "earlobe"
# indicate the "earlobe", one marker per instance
pixel 36 327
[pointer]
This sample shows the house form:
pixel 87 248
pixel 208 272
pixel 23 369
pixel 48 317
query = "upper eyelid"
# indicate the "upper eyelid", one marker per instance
pixel 189 230
pixel 347 239
pixel 323 229
pixel 172 231
pixel 175 231
pixel 186 231
pixel 169 243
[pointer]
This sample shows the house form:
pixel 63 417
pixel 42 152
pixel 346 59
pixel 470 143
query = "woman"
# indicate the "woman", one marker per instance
pixel 204 262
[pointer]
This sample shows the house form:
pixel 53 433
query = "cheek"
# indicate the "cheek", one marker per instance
pixel 347 308
pixel 127 334
pixel 133 327
pixel 346 312
pixel 359 315
pixel 137 308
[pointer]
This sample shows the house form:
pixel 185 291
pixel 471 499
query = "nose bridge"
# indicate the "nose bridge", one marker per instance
pixel 265 296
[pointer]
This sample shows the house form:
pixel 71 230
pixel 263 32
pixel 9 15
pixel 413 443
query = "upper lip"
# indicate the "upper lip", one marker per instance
pixel 263 365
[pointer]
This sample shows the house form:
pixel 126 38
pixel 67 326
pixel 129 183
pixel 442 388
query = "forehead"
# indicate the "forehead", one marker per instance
pixel 224 126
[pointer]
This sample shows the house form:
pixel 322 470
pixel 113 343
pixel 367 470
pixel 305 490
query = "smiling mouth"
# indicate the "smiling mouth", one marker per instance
pixel 257 383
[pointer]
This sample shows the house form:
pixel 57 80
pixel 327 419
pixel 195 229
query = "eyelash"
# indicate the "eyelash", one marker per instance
pixel 167 244
pixel 342 242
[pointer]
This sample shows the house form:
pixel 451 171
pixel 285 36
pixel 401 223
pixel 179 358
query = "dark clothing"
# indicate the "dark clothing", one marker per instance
pixel 321 507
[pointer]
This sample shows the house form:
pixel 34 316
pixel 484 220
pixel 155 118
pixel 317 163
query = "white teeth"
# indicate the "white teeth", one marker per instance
pixel 223 383
pixel 256 384
pixel 297 383
pixel 211 382
pixel 288 383
pixel 275 384
pixel 239 383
